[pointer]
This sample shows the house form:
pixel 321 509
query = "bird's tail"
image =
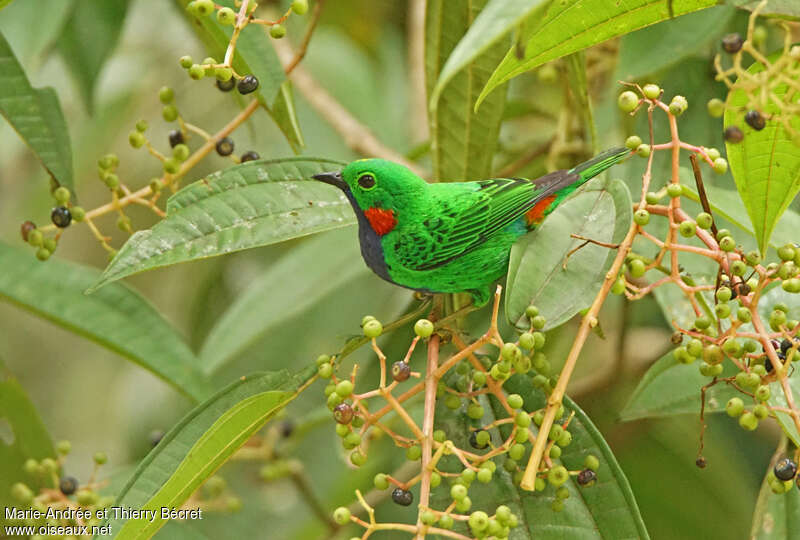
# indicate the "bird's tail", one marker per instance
pixel 599 163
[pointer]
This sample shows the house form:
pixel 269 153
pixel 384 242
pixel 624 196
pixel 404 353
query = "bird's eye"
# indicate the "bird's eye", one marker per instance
pixel 366 181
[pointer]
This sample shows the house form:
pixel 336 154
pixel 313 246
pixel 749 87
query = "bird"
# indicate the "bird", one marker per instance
pixel 450 237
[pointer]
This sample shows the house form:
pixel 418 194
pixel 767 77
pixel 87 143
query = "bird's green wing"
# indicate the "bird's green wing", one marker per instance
pixel 462 217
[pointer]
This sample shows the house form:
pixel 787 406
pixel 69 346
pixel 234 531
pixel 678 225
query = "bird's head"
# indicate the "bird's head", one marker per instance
pixel 375 183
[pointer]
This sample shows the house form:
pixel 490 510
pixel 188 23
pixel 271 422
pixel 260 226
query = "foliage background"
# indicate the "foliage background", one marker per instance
pixel 360 54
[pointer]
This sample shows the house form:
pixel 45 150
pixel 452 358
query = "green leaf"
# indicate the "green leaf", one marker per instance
pixel 778 399
pixel 602 212
pixel 201 443
pixel 29 438
pixel 117 317
pixel 670 388
pixel 4 3
pixel 285 116
pixel 607 509
pixel 776 517
pixel 658 47
pixel 579 88
pixel 88 38
pixel 498 18
pixel 250 205
pixel 36 116
pixel 766 163
pixel 254 312
pixel 462 140
pixel 572 25
pixel 788 9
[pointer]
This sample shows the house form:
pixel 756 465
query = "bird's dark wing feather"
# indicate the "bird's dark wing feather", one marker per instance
pixel 466 215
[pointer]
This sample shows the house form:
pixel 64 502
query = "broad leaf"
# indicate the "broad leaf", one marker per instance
pixel 766 163
pixel 263 305
pixel 776 517
pixel 29 438
pixel 250 205
pixel 117 317
pixel 536 273
pixel 665 43
pixel 36 116
pixel 571 25
pixel 788 9
pixel 201 443
pixel 670 388
pixel 88 38
pixel 285 116
pixel 462 141
pixel 606 509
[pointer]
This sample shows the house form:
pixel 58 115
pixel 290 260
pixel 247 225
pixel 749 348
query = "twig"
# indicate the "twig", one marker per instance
pixel 416 70
pixel 301 51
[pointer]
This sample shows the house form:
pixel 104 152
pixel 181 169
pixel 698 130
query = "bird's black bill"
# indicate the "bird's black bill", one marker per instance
pixel 332 178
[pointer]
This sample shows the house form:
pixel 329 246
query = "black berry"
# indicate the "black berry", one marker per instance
pixel 249 156
pixel 286 428
pixel 701 462
pixel 247 84
pixel 755 120
pixel 68 485
pixel 175 138
pixel 343 413
pixel 785 345
pixel 225 147
pixel 400 371
pixel 733 134
pixel 226 86
pixel 785 469
pixel 586 477
pixel 61 216
pixel 473 440
pixel 402 497
pixel 26 228
pixel 732 43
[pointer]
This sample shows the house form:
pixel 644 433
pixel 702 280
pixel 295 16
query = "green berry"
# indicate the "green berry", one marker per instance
pixel 738 268
pixel 727 244
pixel 166 94
pixel 651 198
pixel 702 322
pixel 341 515
pixel 185 62
pixel 565 439
pixel 180 152
pixel 169 113
pixel 762 393
pixel 413 453
pixel 734 407
pixel 674 190
pixel 557 475
pixel 628 101
pixel 22 493
pixel 373 328
pixel 300 6
pixel 203 8
pixel 325 371
pixel 723 311
pixel 637 268
pixel 522 419
pixel 171 165
pixel 538 322
pixel 555 452
pixel 643 150
pixel 724 294
pixel 277 31
pixel 687 229
pixel 712 153
pixel 226 16
pixel 787 252
pixel 720 165
pixel 61 195
pixel 458 492
pixel 446 522
pixel 515 401
pixel 344 388
pixel 633 142
pixel 475 411
pixel 694 347
pixel 516 451
pixel 100 458
pixel 531 312
pixel 484 476
pixel 423 328
pixel 136 139
pixel 478 521
pixel 748 421
pixel 591 462
pixel 716 107
pixel 196 72
pixel 760 411
pixel 641 217
pixel 678 105
pixel 651 91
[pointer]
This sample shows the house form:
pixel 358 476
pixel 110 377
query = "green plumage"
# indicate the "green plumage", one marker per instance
pixel 450 237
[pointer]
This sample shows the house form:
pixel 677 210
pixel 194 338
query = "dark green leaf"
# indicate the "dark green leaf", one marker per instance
pixel 285 116
pixel 536 274
pixel 671 388
pixel 250 205
pixel 202 442
pixel 30 439
pixel 788 9
pixel 462 141
pixel 766 163
pixel 88 38
pixel 36 116
pixel 572 25
pixel 116 318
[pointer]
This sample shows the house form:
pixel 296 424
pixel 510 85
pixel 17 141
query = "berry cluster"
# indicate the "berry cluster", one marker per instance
pixel 62 215
pixel 463 383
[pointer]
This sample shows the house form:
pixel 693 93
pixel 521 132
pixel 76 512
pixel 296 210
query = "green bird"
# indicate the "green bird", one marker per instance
pixel 450 237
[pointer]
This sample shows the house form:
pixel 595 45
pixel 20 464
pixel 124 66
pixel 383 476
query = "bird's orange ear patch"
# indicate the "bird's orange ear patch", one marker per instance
pixel 536 214
pixel 381 220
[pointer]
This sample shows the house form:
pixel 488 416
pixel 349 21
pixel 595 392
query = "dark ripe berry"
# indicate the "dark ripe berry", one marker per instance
pixel 61 216
pixel 249 156
pixel 768 364
pixel 68 485
pixel 402 497
pixel 742 289
pixel 785 345
pixel 701 462
pixel 785 469
pixel 155 437
pixel 226 86
pixel 343 413
pixel 26 228
pixel 586 476
pixel 175 138
pixel 473 440
pixel 247 84
pixel 400 371
pixel 286 428
pixel 225 147
pixel 733 134
pixel 755 120
pixel 732 43
pixel 676 338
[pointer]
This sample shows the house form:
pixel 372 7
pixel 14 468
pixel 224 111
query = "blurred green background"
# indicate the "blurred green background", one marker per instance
pixel 101 402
